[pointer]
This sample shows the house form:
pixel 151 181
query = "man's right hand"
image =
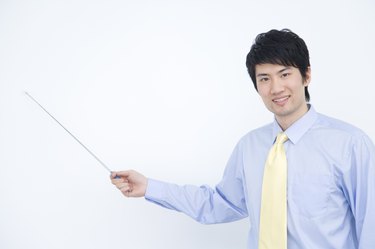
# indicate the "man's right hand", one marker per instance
pixel 130 183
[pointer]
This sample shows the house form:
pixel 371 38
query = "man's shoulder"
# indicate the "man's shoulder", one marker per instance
pixel 334 125
pixel 336 132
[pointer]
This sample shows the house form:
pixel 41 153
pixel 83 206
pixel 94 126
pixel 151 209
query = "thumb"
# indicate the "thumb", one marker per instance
pixel 119 174
pixel 123 174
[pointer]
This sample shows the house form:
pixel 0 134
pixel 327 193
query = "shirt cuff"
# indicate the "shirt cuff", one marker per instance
pixel 156 192
pixel 154 189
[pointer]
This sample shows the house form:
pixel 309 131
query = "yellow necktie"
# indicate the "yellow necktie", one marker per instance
pixel 273 213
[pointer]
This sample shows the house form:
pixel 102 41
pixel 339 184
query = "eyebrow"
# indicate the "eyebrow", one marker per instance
pixel 282 70
pixel 261 75
pixel 279 72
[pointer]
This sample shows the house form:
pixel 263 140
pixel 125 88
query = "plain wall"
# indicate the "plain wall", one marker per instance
pixel 156 86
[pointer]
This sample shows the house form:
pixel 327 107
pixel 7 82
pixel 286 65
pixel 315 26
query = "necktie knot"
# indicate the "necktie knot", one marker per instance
pixel 281 138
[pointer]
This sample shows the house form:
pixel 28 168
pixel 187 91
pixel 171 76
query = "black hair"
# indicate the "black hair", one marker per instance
pixel 282 47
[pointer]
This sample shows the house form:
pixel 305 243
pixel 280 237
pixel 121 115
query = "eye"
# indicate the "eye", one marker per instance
pixel 264 79
pixel 284 75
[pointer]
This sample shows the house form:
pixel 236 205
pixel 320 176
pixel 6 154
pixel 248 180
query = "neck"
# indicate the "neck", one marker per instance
pixel 286 121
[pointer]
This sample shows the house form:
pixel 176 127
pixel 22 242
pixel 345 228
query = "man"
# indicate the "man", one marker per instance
pixel 330 183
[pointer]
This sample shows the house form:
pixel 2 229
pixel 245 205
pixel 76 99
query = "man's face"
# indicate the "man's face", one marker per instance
pixel 282 90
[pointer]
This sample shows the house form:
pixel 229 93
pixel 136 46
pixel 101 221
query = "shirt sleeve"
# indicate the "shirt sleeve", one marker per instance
pixel 359 186
pixel 224 203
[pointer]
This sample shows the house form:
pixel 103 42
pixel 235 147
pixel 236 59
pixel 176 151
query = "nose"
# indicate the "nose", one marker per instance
pixel 276 87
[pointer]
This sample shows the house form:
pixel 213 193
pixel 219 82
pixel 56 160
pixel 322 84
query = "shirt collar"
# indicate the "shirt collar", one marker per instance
pixel 298 128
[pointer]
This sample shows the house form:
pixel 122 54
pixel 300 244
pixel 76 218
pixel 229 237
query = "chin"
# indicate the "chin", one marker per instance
pixel 282 113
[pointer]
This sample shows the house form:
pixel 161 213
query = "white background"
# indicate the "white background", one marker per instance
pixel 157 86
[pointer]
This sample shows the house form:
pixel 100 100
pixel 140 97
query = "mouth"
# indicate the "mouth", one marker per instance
pixel 281 100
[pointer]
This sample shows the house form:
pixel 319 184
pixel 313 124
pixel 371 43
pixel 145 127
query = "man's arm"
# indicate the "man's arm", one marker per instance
pixel 224 203
pixel 202 203
pixel 359 185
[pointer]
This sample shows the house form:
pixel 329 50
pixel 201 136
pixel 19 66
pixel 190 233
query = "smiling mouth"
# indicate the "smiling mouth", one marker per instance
pixel 281 100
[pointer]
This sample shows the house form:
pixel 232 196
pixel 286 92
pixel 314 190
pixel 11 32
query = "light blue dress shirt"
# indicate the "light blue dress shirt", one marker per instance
pixel 331 185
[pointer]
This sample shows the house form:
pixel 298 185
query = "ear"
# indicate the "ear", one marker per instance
pixel 308 77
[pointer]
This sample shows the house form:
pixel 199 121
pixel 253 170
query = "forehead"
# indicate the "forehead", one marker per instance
pixel 271 68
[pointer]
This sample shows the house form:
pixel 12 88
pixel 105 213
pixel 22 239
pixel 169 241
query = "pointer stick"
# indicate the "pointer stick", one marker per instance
pixel 75 138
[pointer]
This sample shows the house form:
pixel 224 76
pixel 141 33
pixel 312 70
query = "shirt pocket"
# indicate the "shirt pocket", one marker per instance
pixel 309 195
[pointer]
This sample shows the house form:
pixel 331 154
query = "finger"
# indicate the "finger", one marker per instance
pixel 122 185
pixel 124 173
pixel 113 175
pixel 116 181
pixel 127 190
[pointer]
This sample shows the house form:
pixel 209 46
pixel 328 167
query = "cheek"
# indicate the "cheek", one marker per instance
pixel 262 91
